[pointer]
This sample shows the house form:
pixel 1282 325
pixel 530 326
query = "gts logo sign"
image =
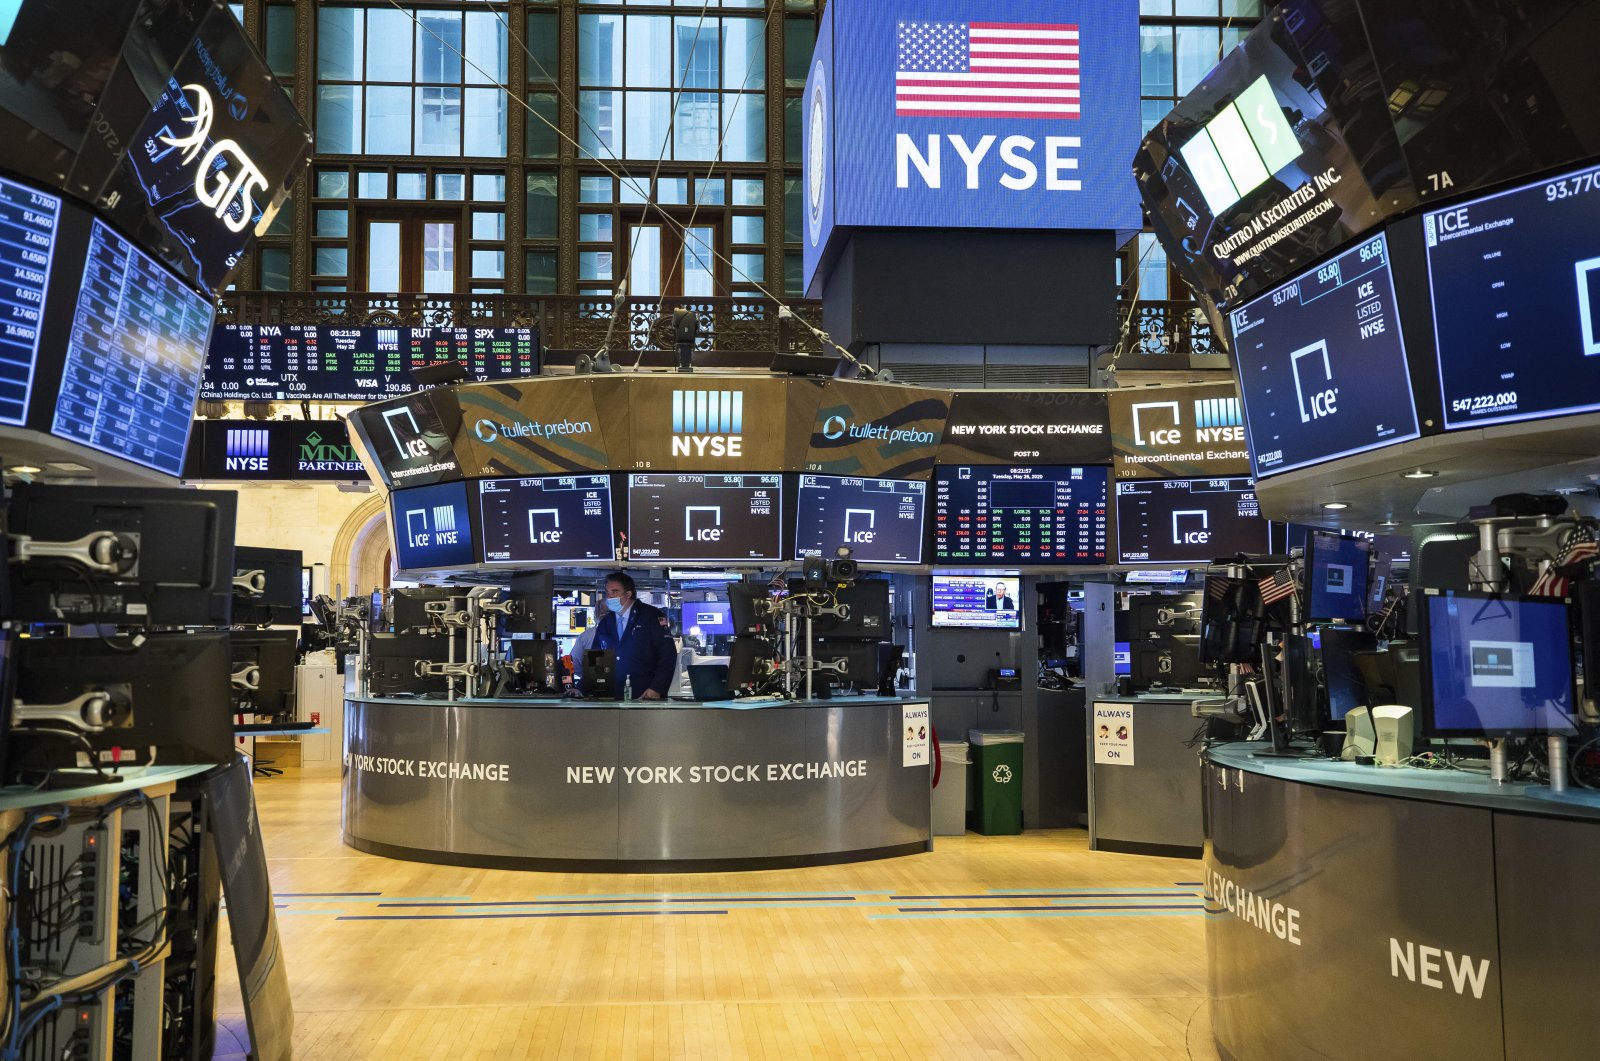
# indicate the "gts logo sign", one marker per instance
pixel 1313 389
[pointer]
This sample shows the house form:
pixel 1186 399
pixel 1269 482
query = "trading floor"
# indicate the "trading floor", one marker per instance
pixel 1022 946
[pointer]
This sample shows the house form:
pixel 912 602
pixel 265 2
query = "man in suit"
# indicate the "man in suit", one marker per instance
pixel 999 599
pixel 641 637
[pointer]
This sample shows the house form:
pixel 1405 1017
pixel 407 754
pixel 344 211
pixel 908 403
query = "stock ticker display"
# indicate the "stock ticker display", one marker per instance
pixel 1322 366
pixel 1188 520
pixel 27 241
pixel 1037 515
pixel 548 519
pixel 290 362
pixel 879 519
pixel 705 517
pixel 134 357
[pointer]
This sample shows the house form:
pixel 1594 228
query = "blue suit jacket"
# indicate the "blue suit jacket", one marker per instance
pixel 645 653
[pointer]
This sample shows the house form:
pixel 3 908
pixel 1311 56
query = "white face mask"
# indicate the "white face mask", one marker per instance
pixel 615 604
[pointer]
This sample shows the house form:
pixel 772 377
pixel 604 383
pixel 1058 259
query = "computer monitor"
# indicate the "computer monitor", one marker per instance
pixel 1340 672
pixel 710 618
pixel 750 606
pixel 572 619
pixel 535 592
pixel 392 663
pixel 278 573
pixel 1442 558
pixel 1496 666
pixel 600 674
pixel 1122 658
pixel 749 665
pixel 175 684
pixel 1171 661
pixel 172 553
pixel 867 618
pixel 1337 569
pixel 860 660
pixel 541 665
pixel 263 669
pixel 1155 615
pixel 1232 621
pixel 1307 710
pixel 408 606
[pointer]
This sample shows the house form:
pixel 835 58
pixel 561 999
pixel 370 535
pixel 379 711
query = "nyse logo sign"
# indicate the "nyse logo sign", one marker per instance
pixel 994 71
pixel 1157 424
pixel 1313 382
pixel 442 531
pixel 1218 420
pixel 707 423
pixel 246 450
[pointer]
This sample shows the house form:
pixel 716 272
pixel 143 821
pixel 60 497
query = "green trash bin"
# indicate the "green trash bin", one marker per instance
pixel 997 758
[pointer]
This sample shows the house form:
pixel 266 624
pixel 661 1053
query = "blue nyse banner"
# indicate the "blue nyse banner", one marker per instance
pixel 970 114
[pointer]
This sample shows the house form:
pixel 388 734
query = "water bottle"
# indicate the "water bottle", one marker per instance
pixel 627 689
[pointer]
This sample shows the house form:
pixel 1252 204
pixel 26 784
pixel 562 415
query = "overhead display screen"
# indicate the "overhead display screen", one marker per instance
pixel 1322 367
pixel 690 517
pixel 978 602
pixel 432 527
pixel 289 362
pixel 134 357
pixel 879 519
pixel 27 239
pixel 1516 301
pixel 1188 520
pixel 1047 514
pixel 559 518
pixel 411 438
pixel 1005 427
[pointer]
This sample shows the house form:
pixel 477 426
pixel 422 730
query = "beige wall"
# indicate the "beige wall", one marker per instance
pixel 343 529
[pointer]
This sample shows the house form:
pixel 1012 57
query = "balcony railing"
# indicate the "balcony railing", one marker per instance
pixel 1171 334
pixel 734 332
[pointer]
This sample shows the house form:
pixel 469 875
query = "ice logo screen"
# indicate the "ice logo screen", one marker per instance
pixel 702 523
pixel 551 534
pixel 1502 664
pixel 411 446
pixel 431 525
pixel 1315 393
pixel 1157 424
pixel 442 532
pixel 707 423
pixel 1191 527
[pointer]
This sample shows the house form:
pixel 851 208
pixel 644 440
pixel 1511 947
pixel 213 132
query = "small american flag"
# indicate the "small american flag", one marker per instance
pixel 986 69
pixel 1276 587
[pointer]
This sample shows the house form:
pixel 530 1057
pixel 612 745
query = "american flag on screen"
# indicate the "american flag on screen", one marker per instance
pixel 986 70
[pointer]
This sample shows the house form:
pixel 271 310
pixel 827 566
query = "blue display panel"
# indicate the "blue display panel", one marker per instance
pixel 980 602
pixel 694 517
pixel 1337 569
pixel 290 362
pixel 879 519
pixel 546 520
pixel 27 243
pixel 1516 301
pixel 1322 368
pixel 1047 514
pixel 710 618
pixel 1496 666
pixel 1188 520
pixel 432 527
pixel 134 357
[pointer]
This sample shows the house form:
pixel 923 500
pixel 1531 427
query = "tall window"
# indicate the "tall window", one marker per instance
pixel 410 82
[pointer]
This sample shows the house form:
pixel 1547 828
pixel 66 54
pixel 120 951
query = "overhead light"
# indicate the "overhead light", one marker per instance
pixel 1420 473
pixel 1334 506
pixel 1389 524
pixel 23 469
pixel 69 467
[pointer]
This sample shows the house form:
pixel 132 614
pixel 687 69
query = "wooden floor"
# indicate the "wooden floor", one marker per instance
pixel 990 947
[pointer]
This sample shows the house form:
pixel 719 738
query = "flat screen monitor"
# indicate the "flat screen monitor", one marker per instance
pixel 1496 666
pixel 688 517
pixel 1173 662
pixel 181 542
pixel 573 619
pixel 1340 670
pixel 866 613
pixel 710 618
pixel 978 602
pixel 133 358
pixel 879 519
pixel 281 577
pixel 1515 280
pixel 392 663
pixel 266 660
pixel 1336 577
pixel 556 519
pixel 28 219
pixel 432 526
pixel 1121 658
pixel 1188 520
pixel 534 593
pixel 1321 364
pixel 319 362
pixel 1046 514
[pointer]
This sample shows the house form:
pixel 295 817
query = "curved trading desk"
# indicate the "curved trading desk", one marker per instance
pixel 553 784
pixel 1359 912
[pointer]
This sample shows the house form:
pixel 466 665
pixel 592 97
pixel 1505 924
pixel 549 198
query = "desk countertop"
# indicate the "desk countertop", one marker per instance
pixel 21 797
pixel 570 704
pixel 1462 787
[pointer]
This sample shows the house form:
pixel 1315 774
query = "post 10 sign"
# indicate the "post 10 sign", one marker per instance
pixel 970 114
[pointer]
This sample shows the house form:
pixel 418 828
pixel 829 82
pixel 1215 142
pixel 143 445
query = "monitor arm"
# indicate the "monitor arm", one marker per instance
pixel 247 679
pixel 92 712
pixel 103 552
pixel 253 583
pixel 429 669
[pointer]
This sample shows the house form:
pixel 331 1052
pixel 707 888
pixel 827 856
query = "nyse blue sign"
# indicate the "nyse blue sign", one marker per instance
pixel 969 114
